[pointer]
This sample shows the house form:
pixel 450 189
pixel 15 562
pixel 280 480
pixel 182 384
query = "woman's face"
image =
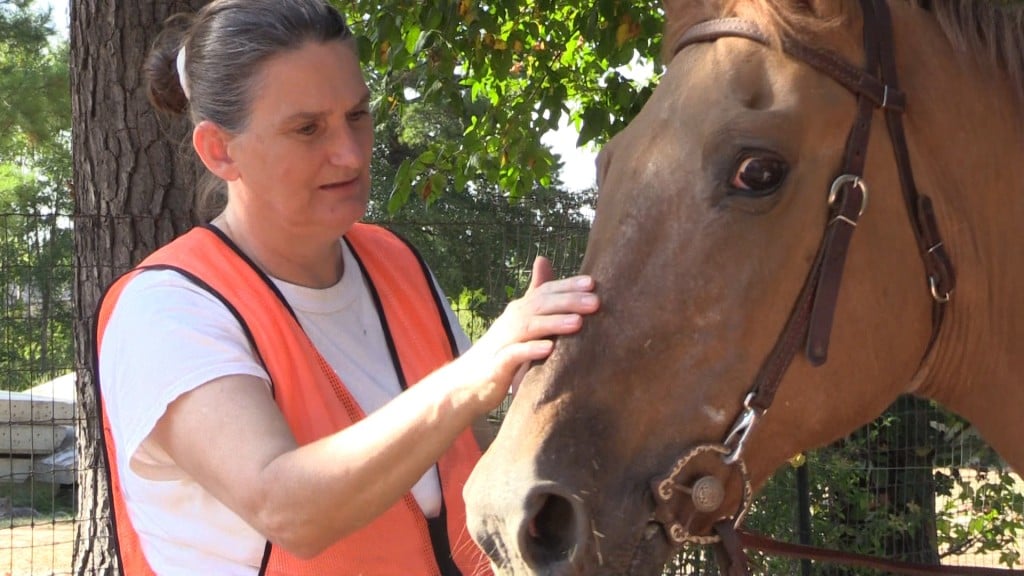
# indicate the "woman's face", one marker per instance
pixel 303 161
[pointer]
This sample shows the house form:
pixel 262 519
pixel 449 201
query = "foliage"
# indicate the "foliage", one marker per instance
pixel 893 490
pixel 481 241
pixel 978 506
pixel 35 169
pixel 467 309
pixel 51 501
pixel 981 514
pixel 476 239
pixel 510 70
pixel 34 81
pixel 36 275
pixel 464 90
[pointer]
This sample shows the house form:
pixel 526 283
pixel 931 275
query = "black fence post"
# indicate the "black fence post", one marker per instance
pixel 803 512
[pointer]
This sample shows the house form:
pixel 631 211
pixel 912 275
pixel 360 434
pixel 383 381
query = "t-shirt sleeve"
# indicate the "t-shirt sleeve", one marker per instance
pixel 166 336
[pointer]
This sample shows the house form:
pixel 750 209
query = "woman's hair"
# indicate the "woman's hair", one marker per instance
pixel 225 45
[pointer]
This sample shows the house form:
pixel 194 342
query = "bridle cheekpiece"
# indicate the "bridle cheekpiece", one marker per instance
pixel 810 323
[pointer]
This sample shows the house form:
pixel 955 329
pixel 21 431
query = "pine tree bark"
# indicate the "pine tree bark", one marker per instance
pixel 134 178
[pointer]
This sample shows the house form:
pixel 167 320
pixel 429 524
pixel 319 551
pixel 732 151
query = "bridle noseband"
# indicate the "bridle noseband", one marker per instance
pixel 810 322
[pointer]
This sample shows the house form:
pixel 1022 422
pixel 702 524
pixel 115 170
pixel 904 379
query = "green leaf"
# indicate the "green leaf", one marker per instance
pixel 414 40
pixel 401 189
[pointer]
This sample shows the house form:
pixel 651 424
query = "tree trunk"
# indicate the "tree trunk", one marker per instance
pixel 134 176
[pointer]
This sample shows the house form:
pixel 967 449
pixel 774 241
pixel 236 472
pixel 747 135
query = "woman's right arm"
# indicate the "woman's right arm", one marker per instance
pixel 230 436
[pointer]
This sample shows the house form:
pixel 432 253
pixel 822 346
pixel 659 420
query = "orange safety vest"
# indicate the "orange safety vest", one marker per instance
pixel 316 403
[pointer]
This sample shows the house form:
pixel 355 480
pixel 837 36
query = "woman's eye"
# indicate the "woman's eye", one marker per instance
pixel 357 115
pixel 758 175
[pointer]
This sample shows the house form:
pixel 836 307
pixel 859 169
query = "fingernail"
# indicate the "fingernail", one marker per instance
pixel 588 300
pixel 584 282
pixel 572 320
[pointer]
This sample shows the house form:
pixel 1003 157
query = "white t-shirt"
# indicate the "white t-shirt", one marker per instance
pixel 167 336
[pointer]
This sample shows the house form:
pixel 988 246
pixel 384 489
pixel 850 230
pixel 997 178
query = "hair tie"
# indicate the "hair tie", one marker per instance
pixel 182 77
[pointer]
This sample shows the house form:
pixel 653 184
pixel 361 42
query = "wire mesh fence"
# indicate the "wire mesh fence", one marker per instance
pixel 37 408
pixel 917 484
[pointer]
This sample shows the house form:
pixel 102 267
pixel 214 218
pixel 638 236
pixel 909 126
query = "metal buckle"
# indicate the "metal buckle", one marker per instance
pixel 741 430
pixel 934 285
pixel 857 182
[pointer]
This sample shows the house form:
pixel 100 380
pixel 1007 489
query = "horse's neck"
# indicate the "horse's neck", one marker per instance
pixel 966 132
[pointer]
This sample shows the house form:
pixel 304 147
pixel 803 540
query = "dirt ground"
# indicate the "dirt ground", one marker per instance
pixel 41 550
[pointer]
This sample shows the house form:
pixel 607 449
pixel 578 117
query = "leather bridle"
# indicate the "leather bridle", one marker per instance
pixel 810 322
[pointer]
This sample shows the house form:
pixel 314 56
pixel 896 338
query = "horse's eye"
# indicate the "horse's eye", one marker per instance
pixel 758 175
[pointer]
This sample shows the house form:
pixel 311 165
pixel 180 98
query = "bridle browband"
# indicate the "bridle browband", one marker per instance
pixel 810 322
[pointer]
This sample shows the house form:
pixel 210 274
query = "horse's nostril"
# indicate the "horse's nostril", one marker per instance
pixel 550 536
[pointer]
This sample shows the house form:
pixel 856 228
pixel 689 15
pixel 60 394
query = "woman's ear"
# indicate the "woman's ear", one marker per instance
pixel 211 143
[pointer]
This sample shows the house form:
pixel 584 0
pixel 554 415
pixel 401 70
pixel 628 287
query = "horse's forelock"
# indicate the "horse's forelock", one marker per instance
pixel 993 29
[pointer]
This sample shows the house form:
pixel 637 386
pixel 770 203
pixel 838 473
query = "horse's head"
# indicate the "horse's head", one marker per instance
pixel 713 208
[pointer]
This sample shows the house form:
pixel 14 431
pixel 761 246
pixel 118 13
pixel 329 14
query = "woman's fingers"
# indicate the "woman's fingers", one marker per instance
pixel 539 327
pixel 524 332
pixel 542 272
pixel 551 306
pixel 540 304
pixel 573 284
pixel 515 355
pixel 517 378
pixel 554 308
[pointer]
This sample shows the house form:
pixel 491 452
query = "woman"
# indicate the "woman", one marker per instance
pixel 283 389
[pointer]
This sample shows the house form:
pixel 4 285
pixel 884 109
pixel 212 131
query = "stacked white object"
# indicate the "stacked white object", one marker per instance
pixel 37 433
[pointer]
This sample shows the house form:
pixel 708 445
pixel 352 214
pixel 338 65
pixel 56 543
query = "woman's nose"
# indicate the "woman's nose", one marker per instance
pixel 348 149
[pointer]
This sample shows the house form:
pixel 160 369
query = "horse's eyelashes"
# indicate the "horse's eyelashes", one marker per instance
pixel 758 174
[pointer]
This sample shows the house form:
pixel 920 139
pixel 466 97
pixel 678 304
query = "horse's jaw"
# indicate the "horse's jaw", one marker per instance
pixel 532 514
pixel 547 531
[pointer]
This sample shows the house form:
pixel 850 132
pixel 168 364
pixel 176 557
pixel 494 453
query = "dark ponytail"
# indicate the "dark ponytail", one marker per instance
pixel 161 71
pixel 226 44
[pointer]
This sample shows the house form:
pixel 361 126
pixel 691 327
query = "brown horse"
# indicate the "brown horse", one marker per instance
pixel 734 247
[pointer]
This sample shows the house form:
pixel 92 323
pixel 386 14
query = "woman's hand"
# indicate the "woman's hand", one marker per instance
pixel 522 334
